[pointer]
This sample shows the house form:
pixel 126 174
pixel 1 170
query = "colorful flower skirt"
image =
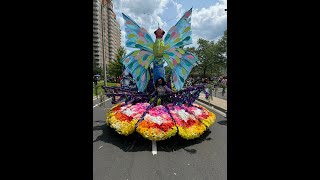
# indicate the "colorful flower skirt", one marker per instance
pixel 157 124
pixel 160 122
pixel 123 118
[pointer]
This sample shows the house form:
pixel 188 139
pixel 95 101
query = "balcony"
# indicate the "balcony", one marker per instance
pixel 96 7
pixel 96 52
pixel 95 18
pixel 96 21
pixel 96 12
pixel 96 40
pixel 96 36
pixel 96 30
pixel 96 27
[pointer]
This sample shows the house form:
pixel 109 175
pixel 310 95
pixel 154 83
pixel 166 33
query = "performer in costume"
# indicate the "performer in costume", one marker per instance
pixel 161 90
pixel 161 113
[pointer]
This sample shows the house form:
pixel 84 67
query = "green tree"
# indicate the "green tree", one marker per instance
pixel 115 66
pixel 205 52
pixel 222 50
pixel 222 43
pixel 97 70
pixel 191 49
pixel 212 57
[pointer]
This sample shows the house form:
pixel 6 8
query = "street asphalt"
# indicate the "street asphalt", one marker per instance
pixel 116 157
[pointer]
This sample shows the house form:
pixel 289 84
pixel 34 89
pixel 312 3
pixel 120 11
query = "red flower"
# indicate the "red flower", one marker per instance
pixel 122 117
pixel 116 108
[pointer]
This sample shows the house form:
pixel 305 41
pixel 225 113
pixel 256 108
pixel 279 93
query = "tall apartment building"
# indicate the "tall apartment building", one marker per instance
pixel 113 32
pixel 106 30
pixel 97 35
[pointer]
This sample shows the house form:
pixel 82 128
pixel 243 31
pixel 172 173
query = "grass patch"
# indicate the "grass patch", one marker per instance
pixel 99 87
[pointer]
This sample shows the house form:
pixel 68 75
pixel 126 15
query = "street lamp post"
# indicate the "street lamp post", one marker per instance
pixel 103 46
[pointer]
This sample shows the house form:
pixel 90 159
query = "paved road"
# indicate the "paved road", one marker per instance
pixel 119 158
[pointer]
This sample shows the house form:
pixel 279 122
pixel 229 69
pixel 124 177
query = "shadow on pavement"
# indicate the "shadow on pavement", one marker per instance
pixel 135 142
pixel 224 122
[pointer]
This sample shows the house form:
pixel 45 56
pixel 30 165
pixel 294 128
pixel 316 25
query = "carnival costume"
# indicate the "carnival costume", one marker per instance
pixel 154 110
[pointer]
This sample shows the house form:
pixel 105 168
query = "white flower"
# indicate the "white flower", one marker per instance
pixel 184 115
pixel 197 112
pixel 128 112
pixel 157 120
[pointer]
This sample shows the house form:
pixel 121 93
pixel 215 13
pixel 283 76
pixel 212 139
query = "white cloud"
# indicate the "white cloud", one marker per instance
pixel 146 13
pixel 123 38
pixel 179 8
pixel 121 21
pixel 209 23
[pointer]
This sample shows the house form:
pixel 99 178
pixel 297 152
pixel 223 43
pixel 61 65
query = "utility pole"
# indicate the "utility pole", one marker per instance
pixel 103 45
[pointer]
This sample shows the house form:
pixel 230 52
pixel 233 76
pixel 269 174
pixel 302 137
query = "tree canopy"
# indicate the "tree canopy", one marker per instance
pixel 115 66
pixel 212 57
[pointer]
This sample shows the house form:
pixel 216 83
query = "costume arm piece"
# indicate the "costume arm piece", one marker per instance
pixel 179 60
pixel 168 89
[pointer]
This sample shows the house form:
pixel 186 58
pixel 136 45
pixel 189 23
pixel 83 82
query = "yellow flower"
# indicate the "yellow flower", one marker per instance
pixel 210 120
pixel 122 127
pixel 192 132
pixel 155 134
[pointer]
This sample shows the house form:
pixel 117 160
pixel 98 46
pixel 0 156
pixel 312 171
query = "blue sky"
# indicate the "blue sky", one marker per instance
pixel 208 19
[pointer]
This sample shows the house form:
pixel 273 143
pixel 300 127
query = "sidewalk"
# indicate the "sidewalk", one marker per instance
pixel 217 103
pixel 219 94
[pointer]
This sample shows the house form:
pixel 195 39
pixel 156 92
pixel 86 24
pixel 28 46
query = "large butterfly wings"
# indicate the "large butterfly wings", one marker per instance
pixel 137 37
pixel 180 34
pixel 137 64
pixel 182 62
pixel 179 60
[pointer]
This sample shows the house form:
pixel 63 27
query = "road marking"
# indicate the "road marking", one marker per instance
pixel 154 147
pixel 100 147
pixel 101 103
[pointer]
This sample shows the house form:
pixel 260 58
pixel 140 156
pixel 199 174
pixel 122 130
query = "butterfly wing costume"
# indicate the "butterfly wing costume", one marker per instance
pixel 159 121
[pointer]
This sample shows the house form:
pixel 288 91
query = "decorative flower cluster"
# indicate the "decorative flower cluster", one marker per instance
pixel 124 117
pixel 160 122
pixel 157 125
pixel 205 116
pixel 188 125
